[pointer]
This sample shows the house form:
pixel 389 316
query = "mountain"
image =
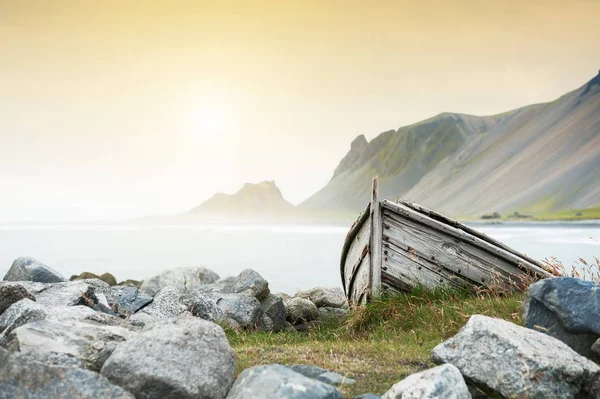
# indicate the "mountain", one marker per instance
pixel 253 202
pixel 538 159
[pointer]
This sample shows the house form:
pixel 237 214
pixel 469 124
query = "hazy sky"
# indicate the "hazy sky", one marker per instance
pixel 109 110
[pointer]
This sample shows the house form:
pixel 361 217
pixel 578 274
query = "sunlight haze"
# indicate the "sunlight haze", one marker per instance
pixel 110 110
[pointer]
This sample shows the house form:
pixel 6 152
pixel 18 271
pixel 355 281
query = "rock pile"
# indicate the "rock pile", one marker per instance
pixel 88 338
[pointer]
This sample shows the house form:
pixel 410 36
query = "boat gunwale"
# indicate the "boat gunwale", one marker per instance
pixel 360 221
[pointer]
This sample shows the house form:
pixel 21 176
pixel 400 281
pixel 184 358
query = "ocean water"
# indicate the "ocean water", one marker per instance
pixel 291 258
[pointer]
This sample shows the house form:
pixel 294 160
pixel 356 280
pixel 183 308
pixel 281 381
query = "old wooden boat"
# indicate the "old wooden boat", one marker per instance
pixel 399 245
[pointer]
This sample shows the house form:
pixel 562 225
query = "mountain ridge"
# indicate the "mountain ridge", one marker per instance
pixel 541 157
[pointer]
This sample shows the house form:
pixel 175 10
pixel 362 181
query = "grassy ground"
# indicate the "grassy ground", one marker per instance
pixel 379 344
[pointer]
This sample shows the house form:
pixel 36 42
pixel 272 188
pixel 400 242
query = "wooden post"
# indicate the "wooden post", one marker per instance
pixel 375 241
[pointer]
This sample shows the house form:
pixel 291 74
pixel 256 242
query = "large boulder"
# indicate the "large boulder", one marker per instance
pixel 505 359
pixel 184 278
pixel 567 309
pixel 11 293
pixel 300 310
pixel 22 378
pixel 325 296
pixel 29 269
pixel 190 358
pixel 274 308
pixel 327 313
pixel 243 309
pixel 441 382
pixel 26 311
pixel 69 293
pixel 166 304
pixel 86 341
pixel 275 381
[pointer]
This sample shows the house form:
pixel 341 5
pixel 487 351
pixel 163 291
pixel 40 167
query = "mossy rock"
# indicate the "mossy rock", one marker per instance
pixel 106 277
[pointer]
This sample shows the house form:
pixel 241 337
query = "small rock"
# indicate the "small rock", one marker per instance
pixel 130 283
pixel 300 310
pixel 22 378
pixel 244 309
pixel 166 304
pixel 251 283
pixel 184 279
pixel 11 293
pixel 325 296
pixel 367 396
pixel 29 269
pixel 596 348
pixel 190 358
pixel 440 382
pixel 513 361
pixel 203 306
pixel 274 307
pixel 127 300
pixel 275 381
pixel 106 277
pixel 335 379
pixel 566 309
pixel 308 370
pixel 327 313
pixel 288 327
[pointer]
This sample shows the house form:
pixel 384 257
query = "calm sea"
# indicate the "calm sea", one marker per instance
pixel 289 257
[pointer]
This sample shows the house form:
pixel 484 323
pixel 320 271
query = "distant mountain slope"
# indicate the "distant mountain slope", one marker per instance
pixel 253 202
pixel 540 158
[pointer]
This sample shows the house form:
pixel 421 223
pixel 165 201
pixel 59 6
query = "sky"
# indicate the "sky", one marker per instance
pixel 120 109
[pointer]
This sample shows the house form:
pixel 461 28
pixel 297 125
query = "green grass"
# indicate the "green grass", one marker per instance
pixel 378 345
pixel 590 213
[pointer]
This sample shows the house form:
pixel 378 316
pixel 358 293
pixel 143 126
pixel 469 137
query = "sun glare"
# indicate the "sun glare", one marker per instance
pixel 205 120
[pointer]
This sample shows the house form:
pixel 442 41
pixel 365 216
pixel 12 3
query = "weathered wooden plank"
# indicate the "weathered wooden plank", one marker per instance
pixel 349 243
pixel 375 242
pixel 460 257
pixel 356 252
pixel 360 285
pixel 454 223
pixel 401 212
pixel 413 269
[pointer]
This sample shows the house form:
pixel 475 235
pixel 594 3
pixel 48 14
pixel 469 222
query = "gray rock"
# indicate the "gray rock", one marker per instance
pixel 441 382
pixel 513 361
pixel 288 327
pixel 244 309
pixel 308 370
pixel 92 344
pixel 53 359
pixel 596 348
pixel 22 378
pixel 565 308
pixel 11 293
pixel 203 306
pixel 190 358
pixel 166 305
pixel 275 381
pixel 251 283
pixel 29 269
pixel 69 293
pixel 367 396
pixel 127 300
pixel 26 311
pixel 184 278
pixel 327 313
pixel 325 296
pixel 265 323
pixel 300 310
pixel 335 379
pixel 274 307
